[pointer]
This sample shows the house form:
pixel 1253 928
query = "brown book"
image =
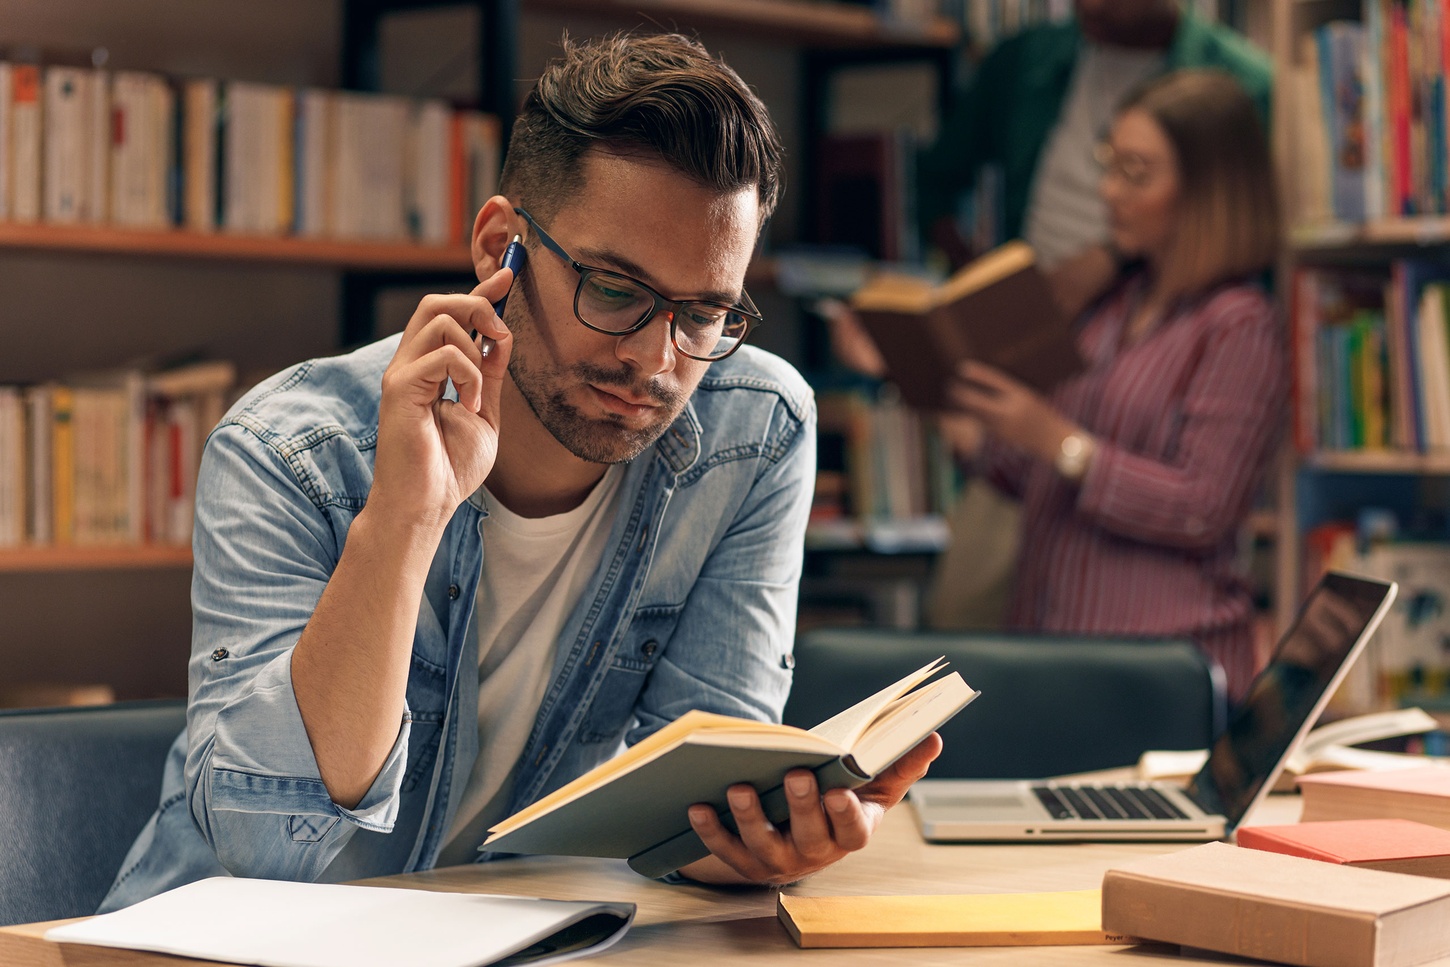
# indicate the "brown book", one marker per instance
pixel 972 920
pixel 997 310
pixel 1393 845
pixel 1421 795
pixel 1281 908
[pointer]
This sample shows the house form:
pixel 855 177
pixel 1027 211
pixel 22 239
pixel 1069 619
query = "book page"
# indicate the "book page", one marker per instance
pixel 844 728
pixel 980 273
pixel 907 721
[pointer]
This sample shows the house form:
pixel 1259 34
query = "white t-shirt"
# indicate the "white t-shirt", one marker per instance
pixel 1064 211
pixel 534 570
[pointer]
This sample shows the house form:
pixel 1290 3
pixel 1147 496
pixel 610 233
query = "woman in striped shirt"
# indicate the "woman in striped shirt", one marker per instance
pixel 1136 476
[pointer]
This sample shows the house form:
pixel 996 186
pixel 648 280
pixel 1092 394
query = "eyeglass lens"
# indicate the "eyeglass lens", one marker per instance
pixel 616 303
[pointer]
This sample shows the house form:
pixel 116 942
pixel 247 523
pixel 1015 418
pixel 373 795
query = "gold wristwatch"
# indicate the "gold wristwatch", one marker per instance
pixel 1074 454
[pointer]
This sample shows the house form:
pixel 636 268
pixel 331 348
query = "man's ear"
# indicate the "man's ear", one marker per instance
pixel 493 229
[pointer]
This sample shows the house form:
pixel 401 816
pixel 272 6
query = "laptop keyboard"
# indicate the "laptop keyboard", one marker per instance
pixel 1106 802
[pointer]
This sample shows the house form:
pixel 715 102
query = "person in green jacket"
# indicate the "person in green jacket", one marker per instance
pixel 1036 108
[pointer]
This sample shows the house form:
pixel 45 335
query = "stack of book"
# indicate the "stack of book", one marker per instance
pixel 107 459
pixel 134 149
pixel 1421 795
pixel 1285 909
pixel 1391 845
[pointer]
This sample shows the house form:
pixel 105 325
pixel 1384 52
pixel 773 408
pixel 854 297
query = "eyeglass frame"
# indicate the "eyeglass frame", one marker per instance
pixel 746 307
pixel 1108 160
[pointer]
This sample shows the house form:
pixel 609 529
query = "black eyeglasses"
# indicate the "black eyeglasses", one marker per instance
pixel 618 305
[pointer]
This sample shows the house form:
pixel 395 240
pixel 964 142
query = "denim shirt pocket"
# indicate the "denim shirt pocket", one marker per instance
pixel 612 709
pixel 426 699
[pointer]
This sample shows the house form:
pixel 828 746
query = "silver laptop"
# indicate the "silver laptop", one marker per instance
pixel 1281 704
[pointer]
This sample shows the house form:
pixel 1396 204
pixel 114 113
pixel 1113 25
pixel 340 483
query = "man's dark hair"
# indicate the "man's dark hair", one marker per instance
pixel 662 95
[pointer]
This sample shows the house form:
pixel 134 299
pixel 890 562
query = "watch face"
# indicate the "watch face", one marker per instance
pixel 1072 459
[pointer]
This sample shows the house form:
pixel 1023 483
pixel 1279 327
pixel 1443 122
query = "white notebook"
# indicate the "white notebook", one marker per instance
pixel 276 923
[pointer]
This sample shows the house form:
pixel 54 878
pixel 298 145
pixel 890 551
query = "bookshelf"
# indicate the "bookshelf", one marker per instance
pixel 118 614
pixel 1380 362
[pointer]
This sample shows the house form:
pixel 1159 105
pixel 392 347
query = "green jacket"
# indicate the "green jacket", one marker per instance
pixel 1015 97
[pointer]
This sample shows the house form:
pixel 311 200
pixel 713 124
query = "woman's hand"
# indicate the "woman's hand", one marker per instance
pixel 432 453
pixel 1011 412
pixel 850 342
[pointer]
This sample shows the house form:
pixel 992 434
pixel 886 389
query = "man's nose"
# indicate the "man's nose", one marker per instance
pixel 650 348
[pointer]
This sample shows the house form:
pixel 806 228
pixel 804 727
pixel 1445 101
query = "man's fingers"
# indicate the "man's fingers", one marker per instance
pixel 851 828
pixel 496 286
pixel 723 844
pixel 887 789
pixel 759 834
pixel 810 830
pixel 472 310
pixel 421 380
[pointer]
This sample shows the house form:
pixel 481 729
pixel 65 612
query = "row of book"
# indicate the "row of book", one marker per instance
pixel 1371 357
pixel 1369 100
pixel 108 459
pixel 879 460
pixel 134 149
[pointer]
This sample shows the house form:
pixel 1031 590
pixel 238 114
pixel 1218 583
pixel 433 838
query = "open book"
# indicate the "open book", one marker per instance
pixel 635 805
pixel 1328 748
pixel 997 310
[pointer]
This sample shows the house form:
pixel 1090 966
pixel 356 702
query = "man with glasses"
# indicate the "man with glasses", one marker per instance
pixel 439 577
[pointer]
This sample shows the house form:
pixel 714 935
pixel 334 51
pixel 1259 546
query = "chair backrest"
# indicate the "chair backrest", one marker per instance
pixel 1049 705
pixel 76 786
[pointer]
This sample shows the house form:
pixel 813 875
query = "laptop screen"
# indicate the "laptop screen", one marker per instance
pixel 1290 691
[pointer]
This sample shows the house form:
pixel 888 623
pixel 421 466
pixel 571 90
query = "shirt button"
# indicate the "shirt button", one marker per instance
pixel 219 654
pixel 452 592
pixel 649 648
pixel 787 661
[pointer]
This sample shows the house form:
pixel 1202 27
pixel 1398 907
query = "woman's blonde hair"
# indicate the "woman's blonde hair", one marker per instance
pixel 1228 224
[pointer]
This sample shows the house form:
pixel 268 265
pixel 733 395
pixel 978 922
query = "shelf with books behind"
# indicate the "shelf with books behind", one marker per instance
pixel 1361 122
pixel 133 161
pixel 98 471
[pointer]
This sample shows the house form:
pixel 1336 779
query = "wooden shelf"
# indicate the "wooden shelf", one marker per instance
pixel 1427 230
pixel 826 24
pixel 94 558
pixel 1380 461
pixel 174 243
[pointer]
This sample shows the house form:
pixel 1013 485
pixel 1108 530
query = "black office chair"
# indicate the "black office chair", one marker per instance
pixel 1049 705
pixel 76 786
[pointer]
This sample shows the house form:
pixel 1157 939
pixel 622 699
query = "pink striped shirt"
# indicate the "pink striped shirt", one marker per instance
pixel 1186 420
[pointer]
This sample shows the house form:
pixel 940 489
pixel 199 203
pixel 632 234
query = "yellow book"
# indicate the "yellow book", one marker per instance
pixel 971 920
pixel 62 455
pixel 285 103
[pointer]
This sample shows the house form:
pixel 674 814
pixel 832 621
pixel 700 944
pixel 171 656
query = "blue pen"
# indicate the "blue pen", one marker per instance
pixel 513 258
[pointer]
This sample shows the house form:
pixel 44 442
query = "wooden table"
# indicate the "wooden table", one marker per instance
pixel 680 924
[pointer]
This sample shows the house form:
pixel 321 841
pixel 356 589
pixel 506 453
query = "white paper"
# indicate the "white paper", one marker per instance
pixel 275 923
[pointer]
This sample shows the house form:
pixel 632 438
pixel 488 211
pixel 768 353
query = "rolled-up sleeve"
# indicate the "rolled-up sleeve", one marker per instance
pixel 265 547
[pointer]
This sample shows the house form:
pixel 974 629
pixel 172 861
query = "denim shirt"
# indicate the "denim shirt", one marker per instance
pixel 692 606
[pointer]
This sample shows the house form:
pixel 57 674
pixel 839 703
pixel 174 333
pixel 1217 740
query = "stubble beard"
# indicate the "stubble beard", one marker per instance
pixel 607 440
